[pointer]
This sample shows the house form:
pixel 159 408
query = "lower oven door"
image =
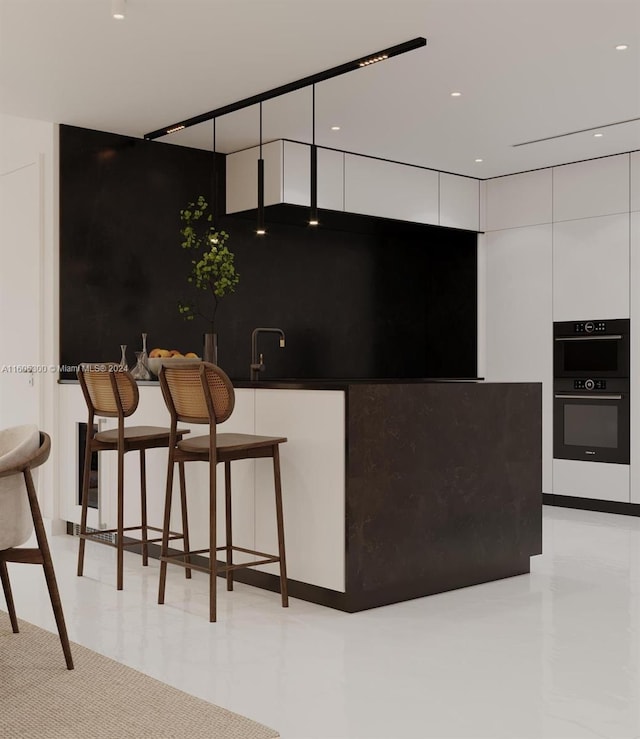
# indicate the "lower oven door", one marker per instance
pixel 591 426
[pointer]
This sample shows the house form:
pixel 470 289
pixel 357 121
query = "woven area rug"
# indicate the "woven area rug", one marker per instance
pixel 41 699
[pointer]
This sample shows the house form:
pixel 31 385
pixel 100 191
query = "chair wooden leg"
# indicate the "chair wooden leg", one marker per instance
pixel 185 518
pixel 85 502
pixel 164 549
pixel 120 527
pixel 213 568
pixel 229 542
pixel 49 572
pixel 8 595
pixel 143 509
pixel 280 523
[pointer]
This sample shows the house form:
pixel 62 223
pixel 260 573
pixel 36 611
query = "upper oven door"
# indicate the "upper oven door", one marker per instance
pixel 579 350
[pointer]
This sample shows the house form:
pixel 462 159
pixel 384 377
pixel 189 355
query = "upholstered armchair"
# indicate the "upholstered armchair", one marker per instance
pixel 23 449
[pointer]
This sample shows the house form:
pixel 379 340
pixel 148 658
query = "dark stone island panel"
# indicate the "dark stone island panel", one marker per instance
pixel 444 487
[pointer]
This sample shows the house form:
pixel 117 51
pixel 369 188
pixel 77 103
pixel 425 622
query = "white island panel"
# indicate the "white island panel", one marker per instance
pixel 313 483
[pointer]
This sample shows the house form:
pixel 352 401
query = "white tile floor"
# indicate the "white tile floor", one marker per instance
pixel 554 654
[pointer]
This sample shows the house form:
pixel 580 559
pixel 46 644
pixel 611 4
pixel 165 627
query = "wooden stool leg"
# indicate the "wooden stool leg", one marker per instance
pixel 120 528
pixel 280 522
pixel 8 595
pixel 143 509
pixel 229 543
pixel 164 549
pixel 185 519
pixel 213 567
pixel 49 573
pixel 85 502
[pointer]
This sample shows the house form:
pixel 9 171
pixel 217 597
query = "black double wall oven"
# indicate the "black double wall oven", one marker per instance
pixel 591 409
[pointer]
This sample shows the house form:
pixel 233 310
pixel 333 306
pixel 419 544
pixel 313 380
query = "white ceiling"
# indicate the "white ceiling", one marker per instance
pixel 527 69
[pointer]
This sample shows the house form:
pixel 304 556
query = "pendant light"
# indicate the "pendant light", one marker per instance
pixel 313 214
pixel 214 180
pixel 261 230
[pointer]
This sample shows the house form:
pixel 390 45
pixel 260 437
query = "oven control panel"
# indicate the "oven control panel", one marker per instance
pixel 590 327
pixel 589 384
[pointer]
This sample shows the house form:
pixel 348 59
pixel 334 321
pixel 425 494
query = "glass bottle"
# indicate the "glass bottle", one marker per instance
pixel 141 370
pixel 123 358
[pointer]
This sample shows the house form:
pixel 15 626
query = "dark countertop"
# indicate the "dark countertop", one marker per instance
pixel 292 383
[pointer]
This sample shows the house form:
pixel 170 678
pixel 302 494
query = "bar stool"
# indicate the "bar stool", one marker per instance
pixel 111 392
pixel 201 392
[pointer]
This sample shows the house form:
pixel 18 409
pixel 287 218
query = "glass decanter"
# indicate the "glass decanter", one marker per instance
pixel 141 370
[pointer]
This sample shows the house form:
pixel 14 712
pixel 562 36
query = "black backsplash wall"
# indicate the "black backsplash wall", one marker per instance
pixel 357 297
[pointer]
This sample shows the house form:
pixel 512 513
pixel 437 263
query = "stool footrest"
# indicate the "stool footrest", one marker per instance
pixel 180 559
pixel 97 536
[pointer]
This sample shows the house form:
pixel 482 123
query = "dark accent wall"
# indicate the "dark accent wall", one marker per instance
pixel 357 297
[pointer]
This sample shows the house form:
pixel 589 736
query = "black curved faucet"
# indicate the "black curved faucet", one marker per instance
pixel 257 363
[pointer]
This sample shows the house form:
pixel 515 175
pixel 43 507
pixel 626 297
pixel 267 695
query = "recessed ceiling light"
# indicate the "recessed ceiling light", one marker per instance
pixel 335 128
pixel 456 94
pixel 598 135
pixel 479 160
pixel 117 9
pixel 621 47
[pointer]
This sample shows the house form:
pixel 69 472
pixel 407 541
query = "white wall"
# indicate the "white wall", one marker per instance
pixel 25 143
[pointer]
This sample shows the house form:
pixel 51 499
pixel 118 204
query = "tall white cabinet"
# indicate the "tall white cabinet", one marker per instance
pixel 517 287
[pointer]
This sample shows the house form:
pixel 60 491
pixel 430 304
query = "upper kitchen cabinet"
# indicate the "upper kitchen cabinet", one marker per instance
pixel 459 202
pixel 591 268
pixel 381 188
pixel 635 180
pixel 598 187
pixel 518 200
pixel 296 165
pixel 242 177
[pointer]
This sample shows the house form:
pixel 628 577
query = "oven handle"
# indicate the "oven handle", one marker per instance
pixel 611 337
pixel 589 397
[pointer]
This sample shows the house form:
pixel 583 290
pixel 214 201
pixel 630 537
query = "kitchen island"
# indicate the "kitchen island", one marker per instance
pixel 393 489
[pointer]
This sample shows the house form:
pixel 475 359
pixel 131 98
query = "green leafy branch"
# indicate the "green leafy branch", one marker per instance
pixel 212 268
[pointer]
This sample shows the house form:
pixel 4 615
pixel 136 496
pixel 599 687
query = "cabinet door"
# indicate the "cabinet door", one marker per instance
pixel 596 480
pixel 330 179
pixel 313 474
pixel 518 329
pixel 518 200
pixel 591 268
pixel 459 201
pixel 242 177
pixel 595 188
pixel 379 188
pixel 297 173
pixel 635 356
pixel 635 180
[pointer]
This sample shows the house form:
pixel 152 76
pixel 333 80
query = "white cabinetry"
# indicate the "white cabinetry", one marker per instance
pixel 242 177
pixel 598 187
pixel 355 184
pixel 635 181
pixel 596 480
pixel 296 168
pixel 313 474
pixel 635 356
pixel 330 179
pixel 591 268
pixel 380 188
pixel 459 202
pixel 518 200
pixel 519 340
